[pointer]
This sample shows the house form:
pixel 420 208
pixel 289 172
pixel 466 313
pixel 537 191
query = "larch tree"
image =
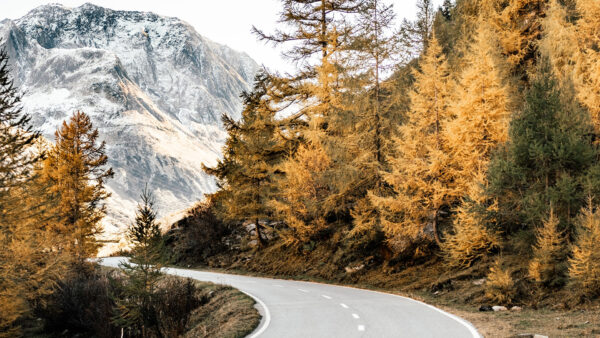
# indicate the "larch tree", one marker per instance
pixel 419 175
pixel 28 268
pixel 375 45
pixel 588 58
pixel 584 263
pixel 480 110
pixel 519 25
pixel 317 33
pixel 556 44
pixel 548 265
pixel 253 152
pixel 415 35
pixel 75 169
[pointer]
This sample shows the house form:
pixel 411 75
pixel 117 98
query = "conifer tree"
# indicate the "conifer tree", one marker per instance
pixel 376 47
pixel 480 109
pixel 557 46
pixel 28 268
pixel 135 307
pixel 585 261
pixel 303 192
pixel 75 170
pixel 252 154
pixel 546 162
pixel 549 253
pixel 319 34
pixel 520 28
pixel 415 35
pixel 588 58
pixel 419 173
pixel 471 237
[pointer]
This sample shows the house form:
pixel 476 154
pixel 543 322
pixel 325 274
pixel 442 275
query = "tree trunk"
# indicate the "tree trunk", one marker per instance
pixel 436 234
pixel 259 238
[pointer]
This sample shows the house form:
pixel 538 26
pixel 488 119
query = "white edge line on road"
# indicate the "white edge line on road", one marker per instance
pixel 355 316
pixel 259 330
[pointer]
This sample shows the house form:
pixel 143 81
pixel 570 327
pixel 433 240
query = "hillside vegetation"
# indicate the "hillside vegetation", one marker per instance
pixel 462 147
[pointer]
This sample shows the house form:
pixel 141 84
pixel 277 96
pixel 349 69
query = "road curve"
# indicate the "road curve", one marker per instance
pixel 306 309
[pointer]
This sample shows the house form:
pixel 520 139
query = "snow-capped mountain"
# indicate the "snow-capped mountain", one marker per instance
pixel 152 85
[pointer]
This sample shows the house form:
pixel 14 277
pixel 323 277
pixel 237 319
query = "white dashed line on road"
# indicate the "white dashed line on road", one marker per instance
pixel 344 305
pixel 355 316
pixel 326 297
pixel 302 290
pixel 361 328
pixel 277 285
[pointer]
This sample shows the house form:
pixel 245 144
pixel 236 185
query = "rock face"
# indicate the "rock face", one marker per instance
pixel 152 85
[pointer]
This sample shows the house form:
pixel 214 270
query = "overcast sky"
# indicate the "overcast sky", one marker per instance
pixel 224 21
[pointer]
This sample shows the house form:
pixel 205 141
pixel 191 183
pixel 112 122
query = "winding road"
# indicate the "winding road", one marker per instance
pixel 307 310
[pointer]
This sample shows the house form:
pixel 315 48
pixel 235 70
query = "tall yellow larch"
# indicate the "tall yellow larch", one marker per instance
pixel 585 259
pixel 519 28
pixel 588 59
pixel 549 252
pixel 75 170
pixel 419 175
pixel 302 194
pixel 480 109
pixel 470 239
pixel 557 43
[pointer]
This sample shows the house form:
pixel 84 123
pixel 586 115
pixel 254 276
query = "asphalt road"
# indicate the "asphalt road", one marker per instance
pixel 307 310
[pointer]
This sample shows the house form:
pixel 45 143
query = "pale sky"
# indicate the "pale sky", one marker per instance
pixel 224 21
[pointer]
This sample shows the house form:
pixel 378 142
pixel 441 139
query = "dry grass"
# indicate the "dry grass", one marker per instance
pixel 229 314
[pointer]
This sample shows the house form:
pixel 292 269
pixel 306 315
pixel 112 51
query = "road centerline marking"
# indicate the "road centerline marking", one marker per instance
pixel 326 297
pixel 302 290
pixel 355 316
pixel 361 328
pixel 277 285
pixel 344 305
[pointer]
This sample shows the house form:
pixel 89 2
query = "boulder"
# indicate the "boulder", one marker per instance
pixel 497 308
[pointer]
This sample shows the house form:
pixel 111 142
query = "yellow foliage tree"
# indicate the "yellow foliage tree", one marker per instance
pixel 588 59
pixel 480 106
pixel 75 172
pixel 548 253
pixel 519 26
pixel 302 194
pixel 471 239
pixel 557 43
pixel 499 287
pixel 585 262
pixel 419 175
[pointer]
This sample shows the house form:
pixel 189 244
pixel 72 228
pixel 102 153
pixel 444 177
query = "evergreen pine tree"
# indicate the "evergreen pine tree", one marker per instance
pixel 75 170
pixel 135 307
pixel 546 161
pixel 28 268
